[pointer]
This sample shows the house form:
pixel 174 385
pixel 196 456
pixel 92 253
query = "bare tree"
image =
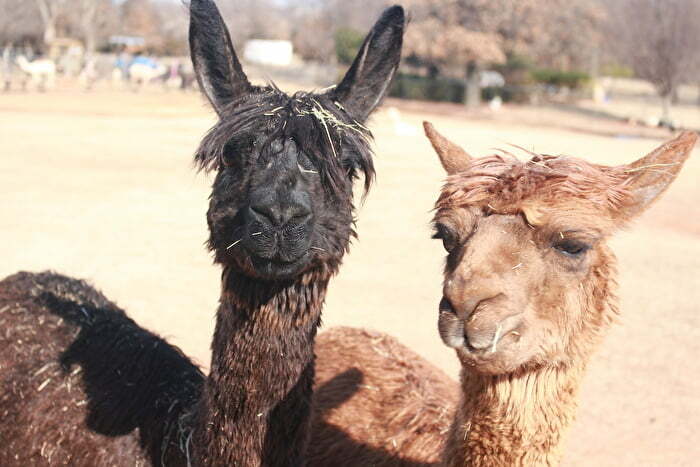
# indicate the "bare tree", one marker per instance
pixel 310 25
pixel 140 18
pixel 553 33
pixel 257 19
pixel 568 33
pixel 50 11
pixel 91 15
pixel 17 20
pixel 439 39
pixel 471 33
pixel 173 25
pixel 660 40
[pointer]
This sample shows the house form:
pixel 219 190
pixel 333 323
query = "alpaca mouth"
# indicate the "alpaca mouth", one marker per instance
pixel 486 338
pixel 478 342
pixel 278 267
pixel 265 257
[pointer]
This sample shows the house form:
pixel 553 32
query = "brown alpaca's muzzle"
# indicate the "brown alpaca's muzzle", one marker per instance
pixel 486 336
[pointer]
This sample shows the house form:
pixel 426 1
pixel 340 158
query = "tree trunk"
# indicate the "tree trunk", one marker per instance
pixel 90 44
pixel 472 92
pixel 675 98
pixel 433 71
pixel 90 26
pixel 50 31
pixel 666 107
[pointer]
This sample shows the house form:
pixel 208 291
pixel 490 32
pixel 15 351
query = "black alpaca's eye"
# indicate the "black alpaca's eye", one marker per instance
pixel 350 163
pixel 449 239
pixel 236 149
pixel 571 247
pixel 230 154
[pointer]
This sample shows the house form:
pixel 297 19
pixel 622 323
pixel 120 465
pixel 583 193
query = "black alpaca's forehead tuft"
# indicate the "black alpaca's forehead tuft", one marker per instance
pixel 337 145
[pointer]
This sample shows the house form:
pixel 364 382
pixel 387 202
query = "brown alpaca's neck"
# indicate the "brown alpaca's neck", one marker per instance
pixel 512 419
pixel 256 401
pixel 521 418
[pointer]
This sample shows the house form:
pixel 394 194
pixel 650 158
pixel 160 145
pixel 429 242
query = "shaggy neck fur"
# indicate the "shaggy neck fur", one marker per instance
pixel 256 401
pixel 516 419
pixel 521 418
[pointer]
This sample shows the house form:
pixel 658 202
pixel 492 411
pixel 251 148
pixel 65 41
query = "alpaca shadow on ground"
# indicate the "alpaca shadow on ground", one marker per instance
pixel 331 395
pixel 150 384
pixel 146 383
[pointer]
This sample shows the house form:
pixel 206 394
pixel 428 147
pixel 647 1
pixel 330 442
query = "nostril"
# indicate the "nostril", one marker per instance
pixel 451 328
pixel 445 306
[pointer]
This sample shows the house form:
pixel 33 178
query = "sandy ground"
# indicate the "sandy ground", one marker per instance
pixel 100 186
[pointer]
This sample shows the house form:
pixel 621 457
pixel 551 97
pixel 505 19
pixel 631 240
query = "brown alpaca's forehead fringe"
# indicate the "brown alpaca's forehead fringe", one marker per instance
pixel 505 184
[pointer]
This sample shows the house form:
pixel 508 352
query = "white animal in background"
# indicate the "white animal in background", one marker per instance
pixel 141 73
pixel 97 68
pixel 496 103
pixel 42 71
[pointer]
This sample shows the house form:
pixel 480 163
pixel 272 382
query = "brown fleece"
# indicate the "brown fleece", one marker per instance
pixel 527 250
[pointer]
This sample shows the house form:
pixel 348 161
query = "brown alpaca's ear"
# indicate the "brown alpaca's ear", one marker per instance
pixel 651 175
pixel 453 158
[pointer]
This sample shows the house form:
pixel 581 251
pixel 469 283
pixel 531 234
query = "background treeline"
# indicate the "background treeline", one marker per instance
pixel 550 42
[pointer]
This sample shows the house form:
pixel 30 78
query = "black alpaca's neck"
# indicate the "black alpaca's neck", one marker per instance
pixel 256 401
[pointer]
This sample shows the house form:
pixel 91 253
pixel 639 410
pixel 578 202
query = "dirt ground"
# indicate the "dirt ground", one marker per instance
pixel 100 186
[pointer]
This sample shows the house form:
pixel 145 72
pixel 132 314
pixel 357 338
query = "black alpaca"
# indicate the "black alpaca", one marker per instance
pixel 85 385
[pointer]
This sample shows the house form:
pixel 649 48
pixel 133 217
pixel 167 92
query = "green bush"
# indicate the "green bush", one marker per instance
pixel 347 44
pixel 420 88
pixel 516 70
pixel 571 79
pixel 617 71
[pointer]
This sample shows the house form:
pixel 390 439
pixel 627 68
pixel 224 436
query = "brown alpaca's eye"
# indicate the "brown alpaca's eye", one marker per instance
pixel 449 240
pixel 572 248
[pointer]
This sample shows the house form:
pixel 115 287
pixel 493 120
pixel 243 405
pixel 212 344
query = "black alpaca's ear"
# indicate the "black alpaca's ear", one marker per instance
pixel 218 70
pixel 370 75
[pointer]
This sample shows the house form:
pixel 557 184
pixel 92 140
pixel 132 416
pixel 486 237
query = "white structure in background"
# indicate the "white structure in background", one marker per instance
pixel 267 52
pixel 491 79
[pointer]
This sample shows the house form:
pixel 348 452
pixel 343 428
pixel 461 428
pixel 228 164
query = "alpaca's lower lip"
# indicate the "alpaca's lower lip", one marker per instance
pixel 277 259
pixel 488 343
pixel 276 268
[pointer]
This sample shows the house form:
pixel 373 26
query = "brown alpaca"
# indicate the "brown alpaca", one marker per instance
pixel 529 292
pixel 82 384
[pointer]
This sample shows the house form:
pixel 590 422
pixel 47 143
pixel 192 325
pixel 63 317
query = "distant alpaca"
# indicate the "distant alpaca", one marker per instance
pixel 79 376
pixel 42 72
pixel 97 68
pixel 139 75
pixel 529 293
